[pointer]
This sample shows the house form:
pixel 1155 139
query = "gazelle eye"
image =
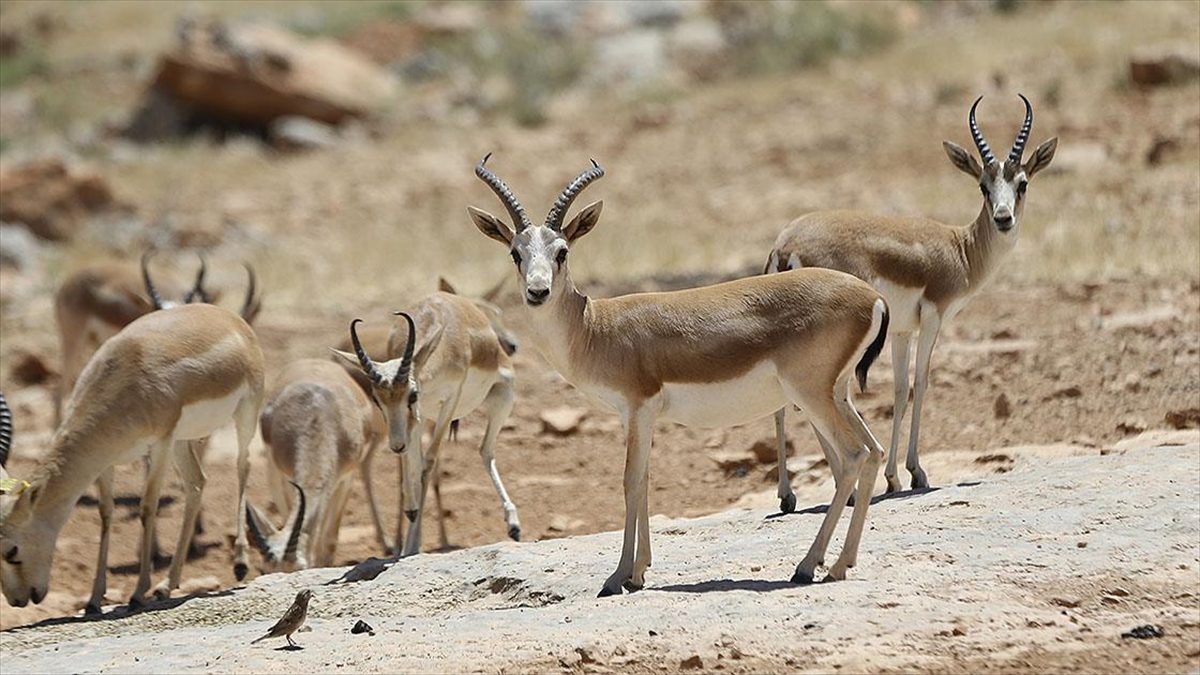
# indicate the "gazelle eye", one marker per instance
pixel 1021 187
pixel 516 258
pixel 412 398
pixel 562 256
pixel 11 556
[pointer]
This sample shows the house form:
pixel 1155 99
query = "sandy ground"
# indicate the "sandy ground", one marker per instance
pixel 997 575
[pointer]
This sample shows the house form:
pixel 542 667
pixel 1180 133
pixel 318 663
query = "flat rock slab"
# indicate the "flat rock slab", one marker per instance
pixel 965 578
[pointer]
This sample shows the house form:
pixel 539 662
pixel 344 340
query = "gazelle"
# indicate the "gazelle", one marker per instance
pixel 710 356
pixel 926 270
pixel 458 367
pixel 167 378
pixel 321 429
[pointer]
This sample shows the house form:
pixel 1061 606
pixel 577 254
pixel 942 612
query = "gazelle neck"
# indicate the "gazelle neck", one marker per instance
pixel 65 474
pixel 560 324
pixel 982 247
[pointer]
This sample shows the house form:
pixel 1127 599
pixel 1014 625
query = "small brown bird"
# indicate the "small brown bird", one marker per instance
pixel 292 620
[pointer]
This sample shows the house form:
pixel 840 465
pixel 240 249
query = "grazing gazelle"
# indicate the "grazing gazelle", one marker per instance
pixel 167 378
pixel 459 366
pixel 320 429
pixel 711 356
pixel 926 270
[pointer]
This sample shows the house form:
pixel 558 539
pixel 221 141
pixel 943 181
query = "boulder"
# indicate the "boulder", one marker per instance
pixel 52 201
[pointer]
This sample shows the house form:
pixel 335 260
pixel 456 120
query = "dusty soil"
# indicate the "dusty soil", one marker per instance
pixel 955 579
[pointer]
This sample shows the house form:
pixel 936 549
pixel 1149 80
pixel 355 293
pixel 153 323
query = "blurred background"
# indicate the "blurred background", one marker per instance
pixel 331 144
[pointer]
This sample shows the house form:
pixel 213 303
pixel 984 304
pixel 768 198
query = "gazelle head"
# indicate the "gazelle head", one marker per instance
pixel 1003 183
pixel 26 548
pixel 395 390
pixel 250 306
pixel 281 549
pixel 539 251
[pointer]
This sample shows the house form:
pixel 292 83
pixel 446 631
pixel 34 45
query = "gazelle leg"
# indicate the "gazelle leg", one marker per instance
pixel 412 544
pixel 900 344
pixel 931 323
pixel 104 486
pixel 828 420
pixel 364 469
pixel 192 473
pixel 443 538
pixel 866 488
pixel 149 513
pixel 639 430
pixel 787 498
pixel 245 419
pixel 400 540
pixel 832 458
pixel 642 560
pixel 499 405
pixel 326 549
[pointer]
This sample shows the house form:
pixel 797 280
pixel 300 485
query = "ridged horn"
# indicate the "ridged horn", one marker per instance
pixel 198 292
pixel 252 304
pixel 516 212
pixel 155 298
pixel 368 365
pixel 985 151
pixel 6 431
pixel 1018 148
pixel 289 552
pixel 554 219
pixel 409 347
pixel 256 536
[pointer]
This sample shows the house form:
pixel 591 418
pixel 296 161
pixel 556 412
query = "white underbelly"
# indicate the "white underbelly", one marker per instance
pixel 755 394
pixel 202 418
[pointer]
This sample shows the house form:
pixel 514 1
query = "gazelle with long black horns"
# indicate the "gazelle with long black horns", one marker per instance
pixel 167 378
pixel 445 359
pixel 926 270
pixel 711 356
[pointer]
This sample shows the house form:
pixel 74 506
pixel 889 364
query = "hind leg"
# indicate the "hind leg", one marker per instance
pixel 866 485
pixel 931 323
pixel 499 405
pixel 149 512
pixel 900 345
pixel 787 498
pixel 245 419
pixel 832 458
pixel 192 474
pixel 104 485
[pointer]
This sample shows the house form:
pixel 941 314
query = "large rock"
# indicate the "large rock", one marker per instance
pixel 253 74
pixel 52 201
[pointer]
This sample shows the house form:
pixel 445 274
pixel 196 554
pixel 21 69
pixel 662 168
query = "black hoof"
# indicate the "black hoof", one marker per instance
pixel 240 570
pixel 788 504
pixel 137 603
pixel 514 533
pixel 919 481
pixel 162 594
pixel 893 485
pixel 604 593
pixel 92 610
pixel 631 587
pixel 801 578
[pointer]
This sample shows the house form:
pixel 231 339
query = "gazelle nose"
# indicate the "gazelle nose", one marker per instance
pixel 1003 218
pixel 36 595
pixel 399 448
pixel 538 294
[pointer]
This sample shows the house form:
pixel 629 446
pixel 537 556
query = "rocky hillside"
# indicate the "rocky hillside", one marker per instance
pixel 1043 568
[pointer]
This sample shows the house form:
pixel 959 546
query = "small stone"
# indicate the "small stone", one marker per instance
pixel 756 568
pixel 562 421
pixel 693 662
pixel 1110 599
pixel 958 632
pixel 1119 592
pixel 653 633
pixel 1144 632
pixel 1066 601
pixel 1188 418
pixel 1081 544
pixel 361 626
pixel 1002 408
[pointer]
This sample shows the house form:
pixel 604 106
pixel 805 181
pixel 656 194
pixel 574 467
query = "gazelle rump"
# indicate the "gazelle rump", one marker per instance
pixel 167 378
pixel 925 269
pixel 710 356
pixel 319 427
pixel 446 359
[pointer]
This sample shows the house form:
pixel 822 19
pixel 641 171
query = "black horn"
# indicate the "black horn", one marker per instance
pixel 515 211
pixel 368 365
pixel 289 552
pixel 256 536
pixel 985 151
pixel 554 219
pixel 198 292
pixel 6 433
pixel 155 298
pixel 1018 148
pixel 253 304
pixel 409 347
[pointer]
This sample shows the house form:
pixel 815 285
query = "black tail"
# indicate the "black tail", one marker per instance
pixel 872 353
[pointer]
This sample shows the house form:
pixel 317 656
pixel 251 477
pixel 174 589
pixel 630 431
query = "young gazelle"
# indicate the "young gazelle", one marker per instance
pixel 710 356
pixel 320 428
pixel 449 360
pixel 926 270
pixel 167 378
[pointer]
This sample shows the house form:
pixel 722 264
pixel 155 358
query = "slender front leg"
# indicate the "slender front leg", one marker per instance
pixel 192 474
pixel 364 471
pixel 400 540
pixel 639 429
pixel 787 498
pixel 149 513
pixel 443 538
pixel 931 323
pixel 499 405
pixel 104 485
pixel 245 419
pixel 643 558
pixel 900 344
pixel 412 544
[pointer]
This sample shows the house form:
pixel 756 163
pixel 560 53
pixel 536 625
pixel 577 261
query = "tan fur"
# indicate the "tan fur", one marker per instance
pixel 129 401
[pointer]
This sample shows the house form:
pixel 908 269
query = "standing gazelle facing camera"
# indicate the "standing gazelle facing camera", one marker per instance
pixel 927 270
pixel 710 356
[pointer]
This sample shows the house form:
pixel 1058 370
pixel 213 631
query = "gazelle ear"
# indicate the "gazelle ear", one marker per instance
pixel 427 343
pixel 1041 157
pixel 962 160
pixel 583 222
pixel 491 225
pixel 446 287
pixel 347 359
